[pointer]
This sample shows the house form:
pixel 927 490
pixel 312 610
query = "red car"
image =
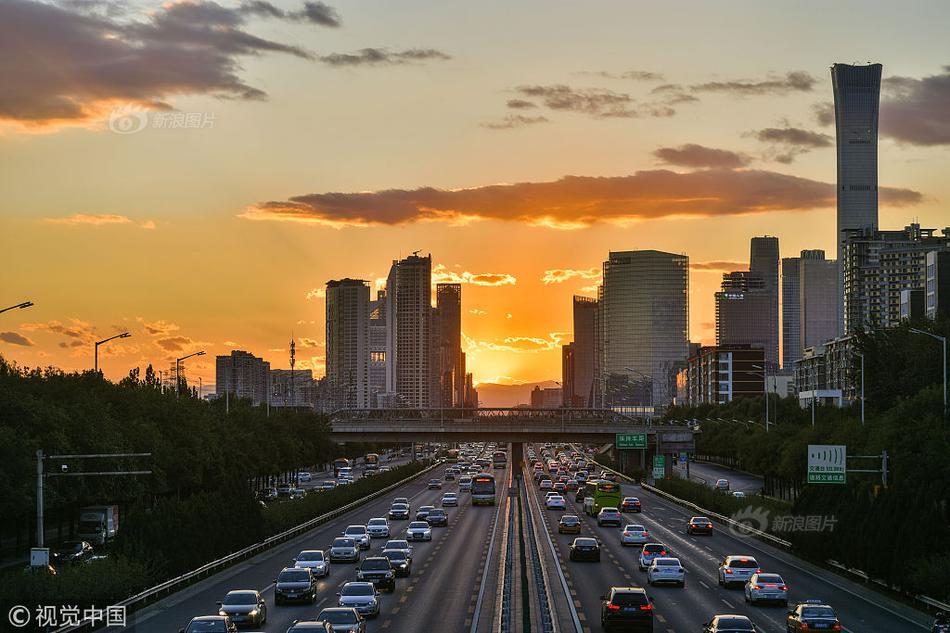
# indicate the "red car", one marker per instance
pixel 630 504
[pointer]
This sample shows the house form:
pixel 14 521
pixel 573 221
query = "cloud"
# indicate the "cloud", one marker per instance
pixel 159 327
pixel 477 312
pixel 797 81
pixel 589 289
pixel 316 293
pixel 513 121
pixel 515 344
pixel 787 143
pixel 230 344
pixel 14 338
pixel 319 13
pixel 440 274
pixel 175 343
pixel 309 342
pixel 636 75
pixel 560 275
pixel 700 156
pixel 596 102
pixel 573 201
pixel 520 104
pixel 917 111
pixel 148 225
pixel 93 219
pixel 672 94
pixel 74 64
pixel 384 57
pixel 717 266
pixel 76 330
pixel 824 113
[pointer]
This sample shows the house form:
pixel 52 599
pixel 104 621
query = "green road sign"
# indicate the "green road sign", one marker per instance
pixel 659 466
pixel 631 440
pixel 827 464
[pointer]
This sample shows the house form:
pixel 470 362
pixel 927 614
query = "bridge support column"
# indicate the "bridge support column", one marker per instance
pixel 517 455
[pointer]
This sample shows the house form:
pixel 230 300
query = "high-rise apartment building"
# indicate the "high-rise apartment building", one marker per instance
pixel 937 287
pixel 377 350
pixel 720 374
pixel 857 91
pixel 764 263
pixel 451 361
pixel 409 334
pixel 569 399
pixel 242 375
pixel 348 342
pixel 642 328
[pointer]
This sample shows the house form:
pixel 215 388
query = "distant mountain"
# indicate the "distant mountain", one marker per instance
pixel 495 395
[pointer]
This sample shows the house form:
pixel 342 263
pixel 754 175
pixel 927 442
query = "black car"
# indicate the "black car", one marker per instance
pixel 812 615
pixel 437 518
pixel 626 608
pixel 343 619
pixel 210 624
pixel 295 584
pixel 729 624
pixel 400 561
pixel 379 571
pixel 423 513
pixel 630 504
pixel 72 552
pixel 699 525
pixel 311 626
pixel 399 511
pixel 585 548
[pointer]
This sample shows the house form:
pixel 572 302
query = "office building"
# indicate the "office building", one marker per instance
pixel 818 312
pixel 409 334
pixel 720 374
pixel 377 350
pixel 937 286
pixel 791 308
pixel 471 394
pixel 546 398
pixel 764 263
pixel 642 329
pixel 912 305
pixel 743 313
pixel 451 360
pixel 857 91
pixel 242 375
pixel 347 324
pixel 293 388
pixel 568 369
pixel 585 311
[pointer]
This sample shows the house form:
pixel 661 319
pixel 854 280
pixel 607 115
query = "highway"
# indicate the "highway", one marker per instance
pixel 707 474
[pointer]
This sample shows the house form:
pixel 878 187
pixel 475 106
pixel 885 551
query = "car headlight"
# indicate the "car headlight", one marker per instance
pixel 252 612
pixel 389 574
pixel 222 612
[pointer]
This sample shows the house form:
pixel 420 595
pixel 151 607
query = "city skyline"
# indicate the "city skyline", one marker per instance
pixel 144 231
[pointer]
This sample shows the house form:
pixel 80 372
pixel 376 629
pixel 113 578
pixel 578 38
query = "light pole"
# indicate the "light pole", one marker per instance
pixel 943 341
pixel 19 306
pixel 106 340
pixel 861 356
pixel 765 381
pixel 178 370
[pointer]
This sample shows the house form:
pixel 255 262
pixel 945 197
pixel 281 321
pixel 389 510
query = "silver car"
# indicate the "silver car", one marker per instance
pixel 419 531
pixel 766 588
pixel 361 596
pixel 737 569
pixel 344 550
pixel 400 544
pixel 378 528
pixel 244 606
pixel 665 569
pixel 343 619
pixel 315 561
pixel 450 499
pixel 358 533
pixel 634 534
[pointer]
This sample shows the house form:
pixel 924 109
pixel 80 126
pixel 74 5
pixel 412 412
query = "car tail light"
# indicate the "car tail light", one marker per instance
pixel 709 526
pixel 758 571
pixel 626 533
pixel 804 625
pixel 784 587
pixel 837 627
pixel 756 587
pixel 646 607
pixel 645 533
pixel 613 607
pixel 728 571
pixel 662 553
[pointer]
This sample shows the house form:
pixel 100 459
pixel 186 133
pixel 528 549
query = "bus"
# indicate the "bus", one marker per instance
pixel 452 455
pixel 599 494
pixel 372 461
pixel 483 489
pixel 499 459
pixel 338 463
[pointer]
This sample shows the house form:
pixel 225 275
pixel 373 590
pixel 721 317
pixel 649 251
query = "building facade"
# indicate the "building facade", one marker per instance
pixel 828 374
pixel 791 308
pixel 242 375
pixel 585 312
pixel 764 263
pixel 743 313
pixel 348 343
pixel 720 374
pixel 409 333
pixel 451 359
pixel 377 350
pixel 937 286
pixel 818 318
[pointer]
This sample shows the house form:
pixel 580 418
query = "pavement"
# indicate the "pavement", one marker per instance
pixel 707 474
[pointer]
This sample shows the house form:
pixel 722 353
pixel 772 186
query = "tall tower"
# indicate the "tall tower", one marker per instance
pixel 857 91
pixel 409 323
pixel 448 298
pixel 348 343
pixel 763 263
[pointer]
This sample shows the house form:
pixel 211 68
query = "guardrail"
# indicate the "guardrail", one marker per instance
pixel 169 586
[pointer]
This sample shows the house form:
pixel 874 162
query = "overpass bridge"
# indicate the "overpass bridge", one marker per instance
pixel 515 425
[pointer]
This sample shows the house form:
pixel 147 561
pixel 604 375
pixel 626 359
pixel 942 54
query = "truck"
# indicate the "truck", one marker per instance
pixel 372 461
pixel 338 463
pixel 98 524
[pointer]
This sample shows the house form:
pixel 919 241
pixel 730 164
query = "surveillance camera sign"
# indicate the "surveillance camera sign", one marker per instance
pixel 827 463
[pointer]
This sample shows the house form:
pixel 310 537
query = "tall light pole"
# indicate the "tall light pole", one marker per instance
pixel 178 370
pixel 106 340
pixel 861 356
pixel 943 340
pixel 19 306
pixel 765 381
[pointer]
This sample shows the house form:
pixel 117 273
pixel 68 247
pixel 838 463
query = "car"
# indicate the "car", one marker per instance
pixel 560 486
pixel 569 524
pixel 666 569
pixel 811 615
pixel 244 606
pixel 72 552
pixel 649 552
pixel 358 533
pixel 315 561
pixel 400 561
pixel 378 570
pixel 555 502
pixel 766 587
pixel 423 512
pixel 284 490
pixel 585 548
pixel 402 500
pixel 434 484
pixel 571 484
pixel 449 476
pixel 343 619
pixel 546 484
pixel 581 476
pixel 419 531
pixel 609 516
pixel 634 534
pixel 400 544
pixel 630 504
pixel 699 525
pixel 361 596
pixel 308 626
pixel 344 550
pixel 303 477
pixel 398 511
pixel 465 484
pixel 722 484
pixel 626 608
pixel 450 499
pixel 323 486
pixel 210 624
pixel 738 494
pixel 736 569
pixel 378 528
pixel 437 517
pixel 729 623
pixel 294 584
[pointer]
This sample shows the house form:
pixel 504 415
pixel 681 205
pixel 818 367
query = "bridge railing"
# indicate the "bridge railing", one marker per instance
pixel 493 415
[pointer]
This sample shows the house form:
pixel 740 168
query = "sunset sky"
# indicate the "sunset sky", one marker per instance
pixel 194 172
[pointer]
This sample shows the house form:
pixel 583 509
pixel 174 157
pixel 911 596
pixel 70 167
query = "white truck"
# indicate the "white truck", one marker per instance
pixel 98 524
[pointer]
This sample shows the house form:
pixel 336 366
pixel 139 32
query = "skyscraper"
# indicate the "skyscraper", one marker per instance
pixel 857 91
pixel 409 335
pixel 743 313
pixel 817 299
pixel 377 350
pixel 348 342
pixel 580 394
pixel 763 262
pixel 568 398
pixel 791 324
pixel 448 298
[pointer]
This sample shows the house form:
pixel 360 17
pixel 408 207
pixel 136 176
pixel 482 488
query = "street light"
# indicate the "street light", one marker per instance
pixel 20 306
pixel 106 340
pixel 765 381
pixel 943 340
pixel 178 370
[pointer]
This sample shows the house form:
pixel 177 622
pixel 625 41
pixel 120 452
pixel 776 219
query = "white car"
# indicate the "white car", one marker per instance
pixel 378 528
pixel 419 531
pixel 634 534
pixel 303 476
pixel 450 499
pixel 737 569
pixel 766 588
pixel 664 569
pixel 555 502
pixel 358 533
pixel 738 494
pixel 361 596
pixel 465 484
pixel 722 484
pixel 314 560
pixel 344 550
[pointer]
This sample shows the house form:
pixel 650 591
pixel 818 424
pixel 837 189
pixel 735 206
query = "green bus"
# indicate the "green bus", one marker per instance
pixel 599 494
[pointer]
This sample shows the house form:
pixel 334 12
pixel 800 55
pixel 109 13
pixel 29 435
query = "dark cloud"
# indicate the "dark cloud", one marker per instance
pixel 384 57
pixel 14 338
pixel 595 102
pixel 797 81
pixel 520 104
pixel 699 156
pixel 672 94
pixel 319 13
pixel 572 201
pixel 787 143
pixel 917 111
pixel 717 266
pixel 636 75
pixel 513 121
pixel 67 64
pixel 824 113
pixel 174 343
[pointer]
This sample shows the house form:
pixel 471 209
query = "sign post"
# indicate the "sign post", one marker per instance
pixel 631 440
pixel 827 464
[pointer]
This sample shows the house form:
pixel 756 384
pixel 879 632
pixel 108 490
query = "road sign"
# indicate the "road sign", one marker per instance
pixel 827 463
pixel 682 458
pixel 631 440
pixel 659 466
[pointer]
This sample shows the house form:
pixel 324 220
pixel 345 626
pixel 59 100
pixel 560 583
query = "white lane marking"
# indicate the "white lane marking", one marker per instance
pixel 704 584
pixel 267 588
